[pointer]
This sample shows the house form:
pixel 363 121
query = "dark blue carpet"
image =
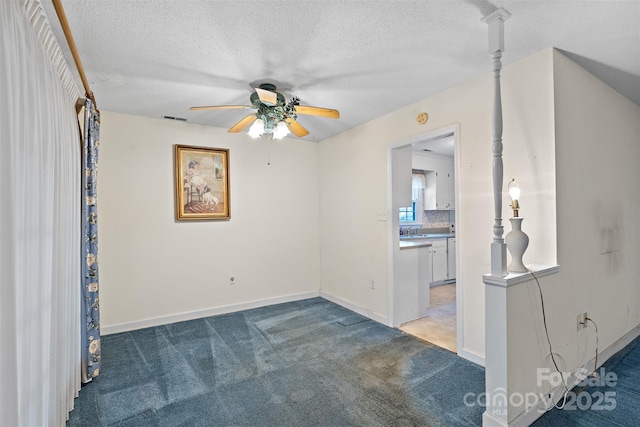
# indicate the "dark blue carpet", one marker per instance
pixel 305 363
pixel 591 408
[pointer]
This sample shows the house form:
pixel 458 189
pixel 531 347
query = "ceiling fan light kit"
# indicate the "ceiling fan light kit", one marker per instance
pixel 258 128
pixel 274 116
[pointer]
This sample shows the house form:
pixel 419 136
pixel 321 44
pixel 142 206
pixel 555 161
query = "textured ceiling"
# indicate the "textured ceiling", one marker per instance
pixel 364 58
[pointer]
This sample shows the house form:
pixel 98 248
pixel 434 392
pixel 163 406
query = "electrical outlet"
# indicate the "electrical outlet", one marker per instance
pixel 373 284
pixel 232 280
pixel 582 321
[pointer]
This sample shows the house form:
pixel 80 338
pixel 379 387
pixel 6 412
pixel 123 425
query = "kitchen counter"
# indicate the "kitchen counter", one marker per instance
pixel 413 237
pixel 407 244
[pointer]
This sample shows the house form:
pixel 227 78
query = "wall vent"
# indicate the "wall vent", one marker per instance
pixel 180 119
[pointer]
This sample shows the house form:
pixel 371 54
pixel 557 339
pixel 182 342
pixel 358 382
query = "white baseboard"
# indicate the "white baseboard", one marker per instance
pixel 529 416
pixel 355 308
pixel 197 314
pixel 489 420
pixel 618 345
pixel 472 356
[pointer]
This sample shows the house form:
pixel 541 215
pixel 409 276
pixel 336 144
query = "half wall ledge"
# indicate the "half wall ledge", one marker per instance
pixel 539 270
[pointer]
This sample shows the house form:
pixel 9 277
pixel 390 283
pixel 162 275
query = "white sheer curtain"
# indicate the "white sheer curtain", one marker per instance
pixel 39 223
pixel 417 186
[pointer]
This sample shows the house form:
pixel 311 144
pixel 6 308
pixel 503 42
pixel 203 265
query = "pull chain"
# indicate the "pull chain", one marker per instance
pixel 269 151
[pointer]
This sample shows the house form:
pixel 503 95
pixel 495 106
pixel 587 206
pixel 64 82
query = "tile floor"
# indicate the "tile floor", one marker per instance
pixel 439 326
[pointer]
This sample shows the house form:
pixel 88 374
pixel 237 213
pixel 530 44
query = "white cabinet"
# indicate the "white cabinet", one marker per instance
pixel 439 268
pixel 405 279
pixel 424 279
pixel 412 280
pixel 451 258
pixel 439 191
pixel 430 199
pixel 442 190
pixel 451 186
pixel 442 260
pixel 445 189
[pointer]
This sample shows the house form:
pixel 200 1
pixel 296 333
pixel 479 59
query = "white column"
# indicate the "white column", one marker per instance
pixel 495 21
pixel 496 363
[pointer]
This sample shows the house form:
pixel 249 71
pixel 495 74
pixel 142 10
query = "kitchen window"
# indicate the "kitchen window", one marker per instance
pixel 408 213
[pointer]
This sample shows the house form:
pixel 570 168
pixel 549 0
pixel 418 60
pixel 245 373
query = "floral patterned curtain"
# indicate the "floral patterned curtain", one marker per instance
pixel 90 300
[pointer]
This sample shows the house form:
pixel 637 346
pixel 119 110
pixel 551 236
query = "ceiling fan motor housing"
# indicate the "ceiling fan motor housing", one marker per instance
pixel 270 114
pixel 257 102
pixel 272 109
pixel 268 86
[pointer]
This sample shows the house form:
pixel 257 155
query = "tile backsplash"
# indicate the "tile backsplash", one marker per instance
pixel 437 219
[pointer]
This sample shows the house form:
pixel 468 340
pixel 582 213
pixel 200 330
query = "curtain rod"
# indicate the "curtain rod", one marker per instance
pixel 74 51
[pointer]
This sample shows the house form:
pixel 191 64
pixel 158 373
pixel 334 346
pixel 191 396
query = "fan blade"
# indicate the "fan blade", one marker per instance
pixel 243 123
pixel 297 129
pixel 318 111
pixel 220 107
pixel 267 97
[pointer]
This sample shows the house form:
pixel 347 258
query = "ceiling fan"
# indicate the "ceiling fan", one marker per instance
pixel 274 116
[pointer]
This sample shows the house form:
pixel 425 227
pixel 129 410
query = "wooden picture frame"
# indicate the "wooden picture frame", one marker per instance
pixel 202 183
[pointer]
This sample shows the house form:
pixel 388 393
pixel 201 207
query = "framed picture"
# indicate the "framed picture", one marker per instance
pixel 202 183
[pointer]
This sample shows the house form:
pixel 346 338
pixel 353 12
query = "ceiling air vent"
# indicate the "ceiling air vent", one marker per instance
pixel 180 119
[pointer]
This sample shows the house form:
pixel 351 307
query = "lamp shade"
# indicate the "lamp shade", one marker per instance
pixel 256 129
pixel 281 130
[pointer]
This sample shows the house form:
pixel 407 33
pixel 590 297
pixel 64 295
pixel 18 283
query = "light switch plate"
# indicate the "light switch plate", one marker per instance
pixel 383 215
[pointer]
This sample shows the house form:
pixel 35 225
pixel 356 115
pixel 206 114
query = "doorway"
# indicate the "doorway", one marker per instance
pixel 439 325
pixel 427 306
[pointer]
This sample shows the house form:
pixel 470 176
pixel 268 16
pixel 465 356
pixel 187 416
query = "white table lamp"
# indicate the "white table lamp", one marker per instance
pixel 517 241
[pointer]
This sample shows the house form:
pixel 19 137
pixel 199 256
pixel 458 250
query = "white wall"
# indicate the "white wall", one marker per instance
pixel 353 187
pixel 153 267
pixel 598 151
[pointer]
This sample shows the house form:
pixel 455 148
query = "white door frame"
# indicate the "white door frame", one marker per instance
pixel 392 234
